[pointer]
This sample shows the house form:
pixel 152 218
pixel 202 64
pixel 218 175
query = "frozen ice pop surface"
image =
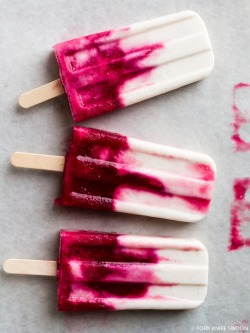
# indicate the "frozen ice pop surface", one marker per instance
pixel 110 171
pixel 121 272
pixel 113 69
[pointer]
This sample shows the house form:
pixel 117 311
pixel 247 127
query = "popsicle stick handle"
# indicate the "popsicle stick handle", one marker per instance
pixel 30 267
pixel 41 94
pixel 38 161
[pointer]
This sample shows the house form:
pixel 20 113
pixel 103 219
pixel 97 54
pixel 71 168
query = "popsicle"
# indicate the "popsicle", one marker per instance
pixel 113 69
pixel 110 171
pixel 107 271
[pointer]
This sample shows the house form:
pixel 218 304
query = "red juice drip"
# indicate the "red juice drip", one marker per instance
pixel 239 206
pixel 97 247
pixel 97 80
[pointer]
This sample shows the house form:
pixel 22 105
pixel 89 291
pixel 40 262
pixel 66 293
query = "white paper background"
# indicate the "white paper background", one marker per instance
pixel 196 117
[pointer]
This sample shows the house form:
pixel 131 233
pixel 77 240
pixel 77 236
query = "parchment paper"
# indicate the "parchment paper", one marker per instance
pixel 197 117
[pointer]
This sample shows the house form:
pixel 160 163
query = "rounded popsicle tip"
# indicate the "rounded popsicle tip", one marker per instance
pixel 201 27
pixel 210 59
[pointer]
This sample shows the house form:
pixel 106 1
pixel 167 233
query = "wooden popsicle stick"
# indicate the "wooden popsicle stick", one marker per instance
pixel 38 161
pixel 30 267
pixel 41 94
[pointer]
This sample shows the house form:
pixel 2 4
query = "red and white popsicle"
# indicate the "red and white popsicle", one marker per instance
pixel 107 271
pixel 110 171
pixel 113 69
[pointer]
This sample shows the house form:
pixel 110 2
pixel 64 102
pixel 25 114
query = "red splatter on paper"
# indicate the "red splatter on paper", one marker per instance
pixel 241 117
pixel 240 208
